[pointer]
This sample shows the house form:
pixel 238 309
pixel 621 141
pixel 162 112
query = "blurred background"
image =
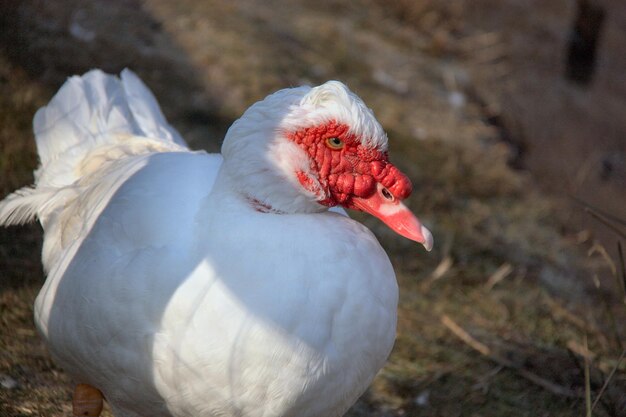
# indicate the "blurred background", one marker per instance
pixel 509 116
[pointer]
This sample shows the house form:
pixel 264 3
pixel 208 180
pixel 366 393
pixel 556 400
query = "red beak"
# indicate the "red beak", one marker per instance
pixel 393 213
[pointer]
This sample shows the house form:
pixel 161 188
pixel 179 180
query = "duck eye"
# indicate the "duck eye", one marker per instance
pixel 334 143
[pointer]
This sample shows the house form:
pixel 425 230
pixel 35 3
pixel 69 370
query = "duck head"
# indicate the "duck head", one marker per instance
pixel 303 150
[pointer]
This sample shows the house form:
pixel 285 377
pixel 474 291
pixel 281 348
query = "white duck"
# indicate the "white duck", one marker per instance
pixel 187 284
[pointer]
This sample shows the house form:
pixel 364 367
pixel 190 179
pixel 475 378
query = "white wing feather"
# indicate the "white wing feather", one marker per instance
pixel 93 120
pixel 146 110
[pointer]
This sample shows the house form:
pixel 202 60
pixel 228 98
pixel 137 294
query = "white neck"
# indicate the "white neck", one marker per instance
pixel 268 185
pixel 261 164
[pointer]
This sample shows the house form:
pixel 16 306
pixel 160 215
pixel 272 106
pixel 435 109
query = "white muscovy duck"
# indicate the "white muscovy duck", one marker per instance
pixel 186 284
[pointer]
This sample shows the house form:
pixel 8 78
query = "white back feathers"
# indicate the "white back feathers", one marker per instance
pixel 89 116
pixel 88 110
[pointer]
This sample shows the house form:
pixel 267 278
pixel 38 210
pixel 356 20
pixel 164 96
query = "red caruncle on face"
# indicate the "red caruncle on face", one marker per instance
pixel 346 167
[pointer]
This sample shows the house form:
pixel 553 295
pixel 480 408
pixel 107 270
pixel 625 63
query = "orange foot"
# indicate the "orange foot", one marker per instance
pixel 87 401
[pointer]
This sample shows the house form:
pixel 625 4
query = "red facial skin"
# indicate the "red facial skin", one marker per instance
pixel 355 176
pixel 352 171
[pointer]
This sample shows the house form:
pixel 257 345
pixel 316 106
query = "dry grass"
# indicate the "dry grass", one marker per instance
pixel 42 388
pixel 509 273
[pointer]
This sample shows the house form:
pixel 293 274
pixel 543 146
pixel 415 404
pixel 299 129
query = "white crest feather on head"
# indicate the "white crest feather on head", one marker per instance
pixel 334 101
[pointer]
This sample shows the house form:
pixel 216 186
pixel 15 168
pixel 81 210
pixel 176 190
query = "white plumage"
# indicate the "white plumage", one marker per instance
pixel 170 291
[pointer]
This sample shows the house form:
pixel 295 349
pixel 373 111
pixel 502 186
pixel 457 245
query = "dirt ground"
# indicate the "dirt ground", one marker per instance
pixel 480 114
